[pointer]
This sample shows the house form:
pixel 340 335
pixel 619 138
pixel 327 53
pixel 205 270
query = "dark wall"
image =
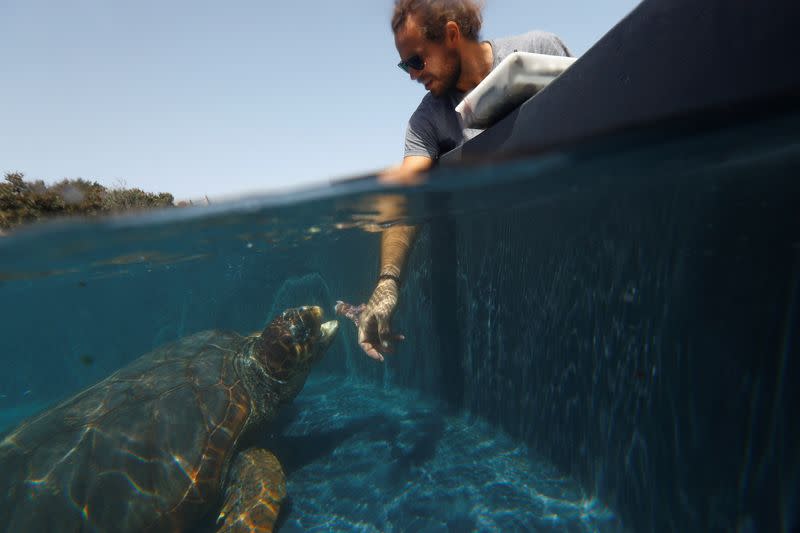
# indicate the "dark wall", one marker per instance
pixel 641 331
pixel 637 323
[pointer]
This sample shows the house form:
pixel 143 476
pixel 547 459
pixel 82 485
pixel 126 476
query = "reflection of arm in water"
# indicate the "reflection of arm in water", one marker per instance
pixel 374 331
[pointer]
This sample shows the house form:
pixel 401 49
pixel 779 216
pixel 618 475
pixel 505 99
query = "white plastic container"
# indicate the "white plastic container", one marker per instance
pixel 518 77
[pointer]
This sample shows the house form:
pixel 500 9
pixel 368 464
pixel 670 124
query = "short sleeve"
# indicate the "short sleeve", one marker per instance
pixel 548 43
pixel 421 135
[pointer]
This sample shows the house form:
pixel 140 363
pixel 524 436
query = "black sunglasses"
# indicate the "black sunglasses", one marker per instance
pixel 414 62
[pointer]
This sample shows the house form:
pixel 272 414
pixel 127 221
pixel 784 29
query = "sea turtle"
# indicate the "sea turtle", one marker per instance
pixel 166 443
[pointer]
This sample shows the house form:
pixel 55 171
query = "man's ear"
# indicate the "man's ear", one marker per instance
pixel 452 33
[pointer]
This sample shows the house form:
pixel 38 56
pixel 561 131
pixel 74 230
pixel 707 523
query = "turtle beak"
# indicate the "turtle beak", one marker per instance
pixel 310 318
pixel 328 333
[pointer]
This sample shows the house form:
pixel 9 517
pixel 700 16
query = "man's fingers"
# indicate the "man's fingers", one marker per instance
pixel 364 341
pixel 384 333
pixel 370 350
pixel 396 337
pixel 362 330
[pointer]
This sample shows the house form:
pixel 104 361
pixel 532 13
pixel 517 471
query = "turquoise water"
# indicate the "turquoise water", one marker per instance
pixel 392 460
pixel 601 339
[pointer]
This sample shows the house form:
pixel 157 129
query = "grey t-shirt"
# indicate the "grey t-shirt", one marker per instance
pixel 434 128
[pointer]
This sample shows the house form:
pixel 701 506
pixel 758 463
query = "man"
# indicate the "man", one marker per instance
pixel 439 46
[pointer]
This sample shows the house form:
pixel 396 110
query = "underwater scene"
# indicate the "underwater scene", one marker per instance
pixel 598 339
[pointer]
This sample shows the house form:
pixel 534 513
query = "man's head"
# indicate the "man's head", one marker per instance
pixel 430 36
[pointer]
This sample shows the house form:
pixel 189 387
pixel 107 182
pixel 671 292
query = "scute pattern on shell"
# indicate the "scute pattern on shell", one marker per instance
pixel 178 411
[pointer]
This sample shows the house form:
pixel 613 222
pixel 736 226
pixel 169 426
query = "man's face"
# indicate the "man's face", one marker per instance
pixel 442 62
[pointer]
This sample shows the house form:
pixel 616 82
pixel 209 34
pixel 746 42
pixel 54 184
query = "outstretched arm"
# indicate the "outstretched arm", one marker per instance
pixel 374 329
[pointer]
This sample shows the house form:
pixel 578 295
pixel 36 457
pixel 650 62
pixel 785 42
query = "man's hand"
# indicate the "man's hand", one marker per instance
pixel 374 328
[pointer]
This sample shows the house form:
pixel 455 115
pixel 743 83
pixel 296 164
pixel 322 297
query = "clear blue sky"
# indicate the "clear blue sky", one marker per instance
pixel 197 97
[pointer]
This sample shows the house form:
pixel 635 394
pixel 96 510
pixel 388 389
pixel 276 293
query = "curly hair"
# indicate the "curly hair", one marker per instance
pixel 433 15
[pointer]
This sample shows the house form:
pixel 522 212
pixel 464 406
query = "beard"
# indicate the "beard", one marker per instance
pixel 448 79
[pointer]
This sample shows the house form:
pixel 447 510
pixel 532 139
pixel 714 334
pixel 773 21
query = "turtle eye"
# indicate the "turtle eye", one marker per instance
pixel 302 323
pixel 299 331
pixel 296 326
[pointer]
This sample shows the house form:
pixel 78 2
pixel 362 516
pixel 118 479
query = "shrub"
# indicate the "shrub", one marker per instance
pixel 22 201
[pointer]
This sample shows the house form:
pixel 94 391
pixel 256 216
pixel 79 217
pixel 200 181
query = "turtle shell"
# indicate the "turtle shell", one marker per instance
pixel 145 449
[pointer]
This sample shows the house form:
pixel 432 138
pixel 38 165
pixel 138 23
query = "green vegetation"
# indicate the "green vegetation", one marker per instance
pixel 22 201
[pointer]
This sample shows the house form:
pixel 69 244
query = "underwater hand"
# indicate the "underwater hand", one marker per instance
pixel 353 312
pixel 374 324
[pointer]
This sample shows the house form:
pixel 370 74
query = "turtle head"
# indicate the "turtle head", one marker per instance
pixel 293 342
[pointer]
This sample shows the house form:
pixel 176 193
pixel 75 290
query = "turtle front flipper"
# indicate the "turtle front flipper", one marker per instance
pixel 254 492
